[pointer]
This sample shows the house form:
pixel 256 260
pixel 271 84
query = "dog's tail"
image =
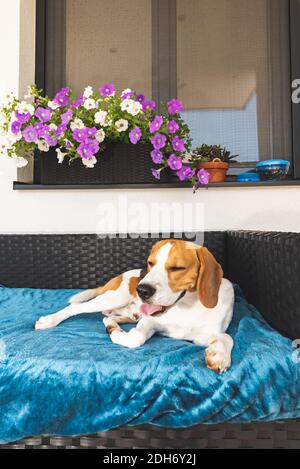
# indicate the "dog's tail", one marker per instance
pixel 83 296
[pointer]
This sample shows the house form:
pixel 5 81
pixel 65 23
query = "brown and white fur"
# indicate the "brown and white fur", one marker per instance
pixel 182 295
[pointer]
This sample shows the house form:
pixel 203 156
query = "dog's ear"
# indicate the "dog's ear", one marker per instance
pixel 209 278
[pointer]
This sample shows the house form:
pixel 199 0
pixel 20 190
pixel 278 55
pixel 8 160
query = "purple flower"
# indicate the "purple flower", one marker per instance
pixel 203 176
pixel 88 148
pixel 30 134
pixel 135 135
pixel 156 156
pixel 178 144
pixel 148 105
pixel 127 94
pixel 155 173
pixel 175 106
pixel 66 117
pixel 80 135
pixel 16 127
pixel 41 129
pixel 44 115
pixel 140 98
pixel 172 127
pixel 23 118
pixel 158 141
pixel 174 162
pixel 185 173
pixel 60 129
pixel 62 97
pixel 68 144
pixel 52 142
pixel 91 131
pixel 156 124
pixel 79 102
pixel 107 90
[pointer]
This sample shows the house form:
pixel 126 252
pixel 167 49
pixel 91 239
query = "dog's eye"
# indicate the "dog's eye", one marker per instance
pixel 150 265
pixel 176 269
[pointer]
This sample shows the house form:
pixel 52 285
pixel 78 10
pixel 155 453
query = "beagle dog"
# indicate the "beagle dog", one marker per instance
pixel 182 295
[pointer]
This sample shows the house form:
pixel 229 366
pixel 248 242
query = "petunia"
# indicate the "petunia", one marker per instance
pixel 91 131
pixel 148 105
pixel 140 98
pixel 135 135
pixel 156 156
pixel 79 102
pixel 88 148
pixel 185 173
pixel 90 162
pixel 102 118
pixel 23 118
pixel 100 135
pixel 155 173
pixel 60 155
pixel 172 127
pixel 43 145
pixel 42 129
pixel 30 134
pixel 121 125
pixel 107 90
pixel 66 117
pixel 15 127
pixel 156 124
pixel 52 141
pixel 174 162
pixel 88 92
pixel 158 141
pixel 60 130
pixel 80 135
pixel 25 108
pixel 89 104
pixel 44 115
pixel 203 176
pixel 178 144
pixel 62 97
pixel 175 106
pixel 127 93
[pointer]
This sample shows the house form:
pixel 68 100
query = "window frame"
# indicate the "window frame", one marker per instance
pixel 51 16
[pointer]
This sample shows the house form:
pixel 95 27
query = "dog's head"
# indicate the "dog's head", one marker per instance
pixel 174 267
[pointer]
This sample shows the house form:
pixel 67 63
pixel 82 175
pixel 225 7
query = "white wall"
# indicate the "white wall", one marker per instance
pixel 87 211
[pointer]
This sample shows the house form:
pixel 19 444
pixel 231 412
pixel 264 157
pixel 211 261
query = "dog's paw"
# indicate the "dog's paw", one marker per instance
pixel 45 322
pixel 218 357
pixel 111 325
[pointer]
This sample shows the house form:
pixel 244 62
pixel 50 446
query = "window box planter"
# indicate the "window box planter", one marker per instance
pixel 119 163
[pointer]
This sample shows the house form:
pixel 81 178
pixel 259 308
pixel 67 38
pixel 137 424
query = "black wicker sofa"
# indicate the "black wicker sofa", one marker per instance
pixel 265 264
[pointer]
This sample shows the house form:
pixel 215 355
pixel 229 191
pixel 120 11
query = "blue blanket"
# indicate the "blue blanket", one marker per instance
pixel 73 380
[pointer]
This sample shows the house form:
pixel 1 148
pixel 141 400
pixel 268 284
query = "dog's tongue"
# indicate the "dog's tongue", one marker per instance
pixel 147 309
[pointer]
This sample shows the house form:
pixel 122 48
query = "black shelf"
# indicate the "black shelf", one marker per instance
pixel 230 183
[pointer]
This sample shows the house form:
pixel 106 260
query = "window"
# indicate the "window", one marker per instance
pixel 229 61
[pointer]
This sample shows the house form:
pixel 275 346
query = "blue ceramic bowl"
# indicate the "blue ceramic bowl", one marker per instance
pixel 271 170
pixel 248 177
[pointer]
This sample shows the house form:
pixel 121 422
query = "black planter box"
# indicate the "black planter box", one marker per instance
pixel 119 163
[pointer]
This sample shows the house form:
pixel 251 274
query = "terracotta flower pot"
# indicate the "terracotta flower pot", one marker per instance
pixel 216 168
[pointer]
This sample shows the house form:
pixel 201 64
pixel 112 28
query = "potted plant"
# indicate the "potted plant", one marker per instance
pixel 214 159
pixel 99 137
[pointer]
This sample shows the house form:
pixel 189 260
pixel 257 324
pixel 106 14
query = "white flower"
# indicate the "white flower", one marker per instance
pixel 89 163
pixel 100 135
pixel 43 145
pixel 121 125
pixel 60 155
pixel 136 108
pixel 127 104
pixel 21 162
pixel 89 104
pixel 100 117
pixel 53 105
pixel 77 124
pixel 52 127
pixel 25 108
pixel 88 92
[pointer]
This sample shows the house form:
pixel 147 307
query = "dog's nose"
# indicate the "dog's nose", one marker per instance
pixel 145 291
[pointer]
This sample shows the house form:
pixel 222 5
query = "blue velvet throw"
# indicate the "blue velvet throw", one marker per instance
pixel 73 380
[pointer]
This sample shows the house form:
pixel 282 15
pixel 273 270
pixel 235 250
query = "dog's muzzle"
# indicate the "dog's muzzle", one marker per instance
pixel 145 291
